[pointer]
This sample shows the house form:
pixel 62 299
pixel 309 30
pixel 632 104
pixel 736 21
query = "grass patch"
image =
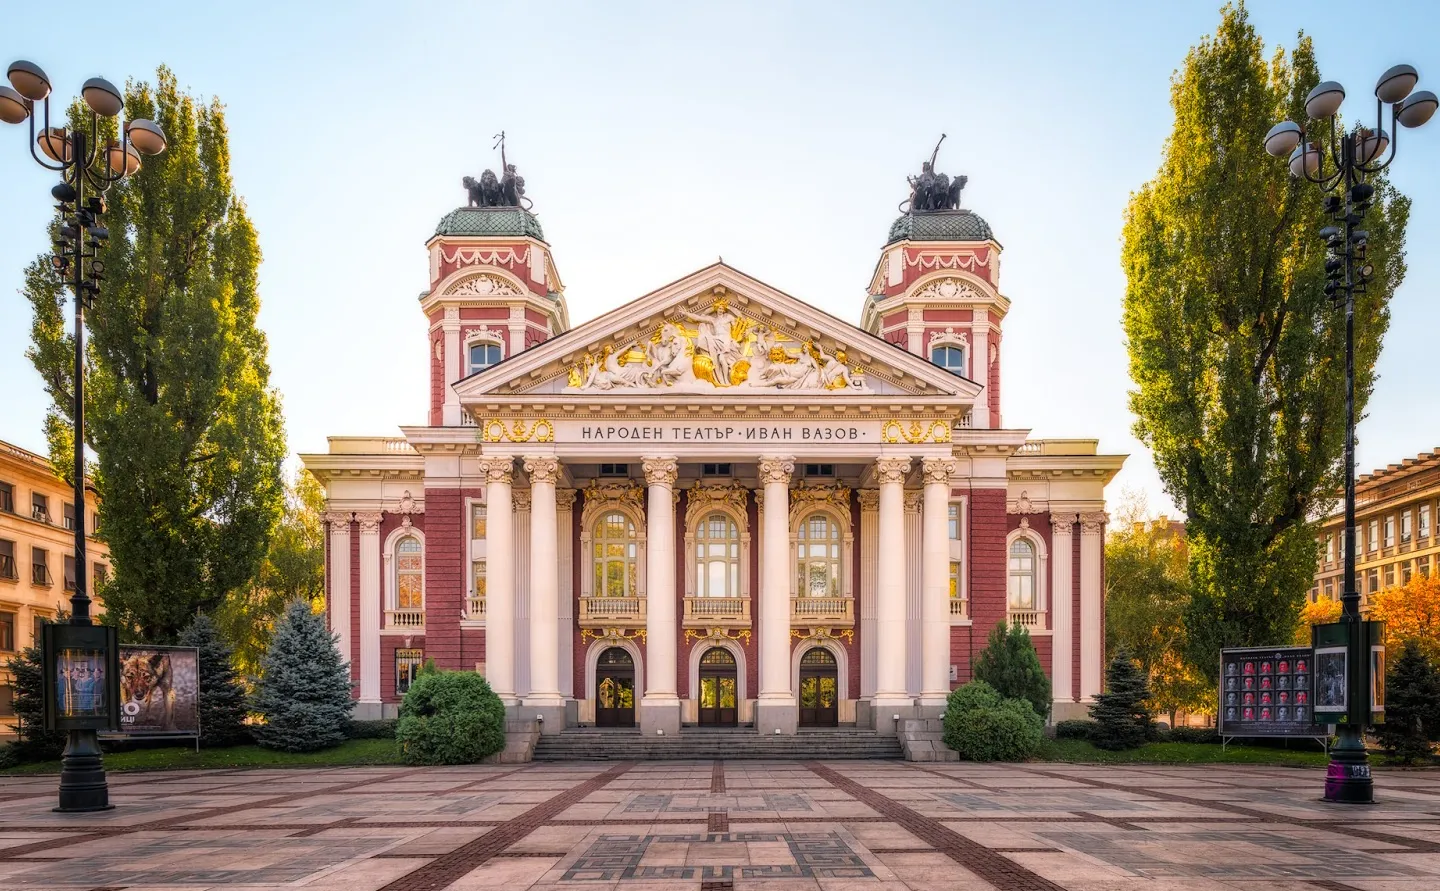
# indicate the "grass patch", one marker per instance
pixel 349 753
pixel 1079 750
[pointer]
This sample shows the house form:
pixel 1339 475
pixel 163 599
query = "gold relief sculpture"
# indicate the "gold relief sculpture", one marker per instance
pixel 896 431
pixel 495 430
pixel 743 635
pixel 615 634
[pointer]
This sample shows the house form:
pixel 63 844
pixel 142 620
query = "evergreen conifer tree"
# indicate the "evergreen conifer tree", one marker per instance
pixel 32 741
pixel 1412 706
pixel 1010 664
pixel 222 697
pixel 1122 712
pixel 304 689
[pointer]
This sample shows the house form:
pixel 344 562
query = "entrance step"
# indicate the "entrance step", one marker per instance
pixel 715 743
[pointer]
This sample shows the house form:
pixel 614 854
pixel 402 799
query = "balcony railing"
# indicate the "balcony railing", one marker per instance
pixel 1027 617
pixel 719 612
pixel 405 618
pixel 475 608
pixel 822 610
pixel 612 612
pixel 959 609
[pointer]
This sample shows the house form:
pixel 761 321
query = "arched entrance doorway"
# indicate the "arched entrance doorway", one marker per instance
pixel 615 689
pixel 718 688
pixel 819 689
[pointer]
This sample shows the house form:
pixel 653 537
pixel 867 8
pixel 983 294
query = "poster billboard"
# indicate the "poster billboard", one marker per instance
pixel 159 691
pixel 1268 691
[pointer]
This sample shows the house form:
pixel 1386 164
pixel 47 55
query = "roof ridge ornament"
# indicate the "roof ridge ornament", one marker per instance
pixel 507 190
pixel 931 191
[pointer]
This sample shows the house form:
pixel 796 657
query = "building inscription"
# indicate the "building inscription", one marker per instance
pixel 737 432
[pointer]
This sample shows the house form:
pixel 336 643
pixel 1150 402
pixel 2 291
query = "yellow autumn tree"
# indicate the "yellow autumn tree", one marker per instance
pixel 1411 614
pixel 1322 611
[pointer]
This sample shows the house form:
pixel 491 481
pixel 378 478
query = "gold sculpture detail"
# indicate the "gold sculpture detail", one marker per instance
pixel 896 431
pixel 495 430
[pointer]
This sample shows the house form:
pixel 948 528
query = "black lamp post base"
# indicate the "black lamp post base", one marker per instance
pixel 1347 780
pixel 82 775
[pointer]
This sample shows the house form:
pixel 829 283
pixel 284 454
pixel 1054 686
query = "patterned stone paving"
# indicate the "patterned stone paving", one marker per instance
pixel 716 826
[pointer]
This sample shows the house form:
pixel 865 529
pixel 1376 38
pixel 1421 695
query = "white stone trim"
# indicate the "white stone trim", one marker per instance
pixel 801 512
pixel 390 586
pixel 482 334
pixel 1042 568
pixel 594 510
pixel 724 643
pixel 698 506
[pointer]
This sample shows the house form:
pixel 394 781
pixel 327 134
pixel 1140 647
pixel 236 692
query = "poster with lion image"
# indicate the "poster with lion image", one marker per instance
pixel 159 691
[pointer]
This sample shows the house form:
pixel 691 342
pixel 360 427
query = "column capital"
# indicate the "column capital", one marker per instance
pixel 892 470
pixel 542 469
pixel 497 469
pixel 369 522
pixel 520 500
pixel 1062 523
pixel 938 470
pixel 339 520
pixel 565 499
pixel 1093 522
pixel 869 499
pixel 913 500
pixel 776 470
pixel 660 471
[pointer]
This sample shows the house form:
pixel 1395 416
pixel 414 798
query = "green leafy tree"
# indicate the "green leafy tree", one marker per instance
pixel 304 689
pixel 1412 706
pixel 293 569
pixel 1010 664
pixel 222 696
pixel 179 409
pixel 1236 353
pixel 1121 716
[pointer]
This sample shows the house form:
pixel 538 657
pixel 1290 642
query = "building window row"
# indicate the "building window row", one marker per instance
pixel 39 506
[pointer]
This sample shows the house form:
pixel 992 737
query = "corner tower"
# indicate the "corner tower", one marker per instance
pixel 936 289
pixel 494 291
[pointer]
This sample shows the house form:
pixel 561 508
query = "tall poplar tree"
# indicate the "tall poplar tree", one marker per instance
pixel 179 409
pixel 1236 353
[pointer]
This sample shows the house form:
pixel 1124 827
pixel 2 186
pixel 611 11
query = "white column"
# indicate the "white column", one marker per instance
pixel 452 367
pixel 869 530
pixel 775 709
pixel 980 368
pixel 1092 631
pixel 370 609
pixel 499 577
pixel 1062 620
pixel 544 586
pixel 565 618
pixel 660 706
pixel 890 698
pixel 914 584
pixel 520 535
pixel 935 583
pixel 339 580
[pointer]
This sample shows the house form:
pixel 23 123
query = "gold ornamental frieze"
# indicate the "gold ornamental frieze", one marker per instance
pixel 611 634
pixel 497 430
pixel 896 431
pixel 743 635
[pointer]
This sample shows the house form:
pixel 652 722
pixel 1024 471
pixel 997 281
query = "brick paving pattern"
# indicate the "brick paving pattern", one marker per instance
pixel 726 826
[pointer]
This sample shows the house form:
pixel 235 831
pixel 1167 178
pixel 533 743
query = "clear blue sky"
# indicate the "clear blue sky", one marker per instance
pixel 655 137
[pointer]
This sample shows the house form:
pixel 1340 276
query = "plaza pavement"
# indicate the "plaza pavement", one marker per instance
pixel 708 826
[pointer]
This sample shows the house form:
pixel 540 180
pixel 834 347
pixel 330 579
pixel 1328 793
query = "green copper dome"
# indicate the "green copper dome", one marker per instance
pixel 941 225
pixel 490 221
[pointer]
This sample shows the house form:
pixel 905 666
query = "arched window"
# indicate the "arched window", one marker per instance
pixel 717 557
pixel 483 354
pixel 1022 574
pixel 819 557
pixel 950 358
pixel 409 575
pixel 615 556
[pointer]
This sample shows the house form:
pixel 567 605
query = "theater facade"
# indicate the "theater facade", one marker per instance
pixel 716 504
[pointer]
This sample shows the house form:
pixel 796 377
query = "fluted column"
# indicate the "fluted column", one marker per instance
pixel 660 707
pixel 935 584
pixel 1062 621
pixel 370 611
pixel 869 531
pixel 544 592
pixel 565 619
pixel 890 698
pixel 1092 631
pixel 499 577
pixel 776 708
pixel 339 581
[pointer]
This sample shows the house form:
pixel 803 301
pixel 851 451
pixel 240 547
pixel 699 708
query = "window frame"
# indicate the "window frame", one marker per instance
pixel 7 497
pixel 1011 574
pixel 12 572
pixel 962 370
pixel 411 660
pixel 40 507
pixel 488 344
pixel 1422 526
pixel 1373 535
pixel 833 558
pixel 1389 530
pixel 398 571
pixel 629 560
pixel 731 559
pixel 40 567
pixel 8 618
pixel 1407 526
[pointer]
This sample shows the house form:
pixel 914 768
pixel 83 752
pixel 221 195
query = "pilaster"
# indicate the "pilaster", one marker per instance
pixel 339 580
pixel 890 698
pixel 1092 630
pixel 370 612
pixel 1062 526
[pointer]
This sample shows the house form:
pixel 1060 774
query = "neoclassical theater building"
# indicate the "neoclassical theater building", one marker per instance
pixel 717 503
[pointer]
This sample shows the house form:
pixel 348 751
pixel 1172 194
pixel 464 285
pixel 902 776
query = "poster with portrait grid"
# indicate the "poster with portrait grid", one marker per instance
pixel 1268 691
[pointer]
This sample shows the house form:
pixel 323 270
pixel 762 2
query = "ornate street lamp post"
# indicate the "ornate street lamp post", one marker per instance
pixel 80 677
pixel 1342 169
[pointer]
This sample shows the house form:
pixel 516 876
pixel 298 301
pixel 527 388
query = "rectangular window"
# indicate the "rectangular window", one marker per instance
pixel 1422 565
pixel 36 625
pixel 614 469
pixel 7 498
pixel 407 665
pixel 1405 526
pixel 476 608
pixel 1390 531
pixel 7 632
pixel 1390 575
pixel 1329 549
pixel 958 605
pixel 69 572
pixel 715 469
pixel 39 507
pixel 1372 581
pixel 68 511
pixel 953 521
pixel 1424 530
pixel 819 469
pixel 477 521
pixel 39 567
pixel 97 577
pixel 7 701
pixel 1405 573
pixel 1329 590
pixel 7 560
pixel 1374 536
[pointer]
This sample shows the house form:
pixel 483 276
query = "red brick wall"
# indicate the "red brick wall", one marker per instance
pixel 445 552
pixel 484 312
pixel 986 553
pixel 949 315
pixel 994 380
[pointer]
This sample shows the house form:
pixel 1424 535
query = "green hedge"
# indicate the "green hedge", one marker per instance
pixel 1074 729
pixel 450 717
pixel 982 725
pixel 383 729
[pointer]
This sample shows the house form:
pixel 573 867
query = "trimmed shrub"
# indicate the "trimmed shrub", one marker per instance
pixel 1076 729
pixel 383 729
pixel 1010 664
pixel 1412 707
pixel 1194 735
pixel 450 717
pixel 982 725
pixel 304 689
pixel 1121 715
pixel 222 696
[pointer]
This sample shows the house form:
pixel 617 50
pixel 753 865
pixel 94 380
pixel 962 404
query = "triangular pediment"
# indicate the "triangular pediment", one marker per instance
pixel 720 334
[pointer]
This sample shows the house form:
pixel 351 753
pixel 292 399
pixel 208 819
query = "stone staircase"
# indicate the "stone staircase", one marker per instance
pixel 715 743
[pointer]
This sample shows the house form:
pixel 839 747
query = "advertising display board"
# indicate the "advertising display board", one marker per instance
pixel 159 691
pixel 1269 691
pixel 80 679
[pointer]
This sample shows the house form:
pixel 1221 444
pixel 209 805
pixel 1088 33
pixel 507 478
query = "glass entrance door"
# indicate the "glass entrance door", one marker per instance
pixel 718 688
pixel 819 689
pixel 615 689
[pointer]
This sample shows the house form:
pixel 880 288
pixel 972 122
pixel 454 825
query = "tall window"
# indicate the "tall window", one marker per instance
pixel 1405 528
pixel 477 521
pixel 7 632
pixel 407 665
pixel 483 355
pixel 409 575
pixel 7 560
pixel 958 606
pixel 39 507
pixel 68 512
pixel 69 572
pixel 1390 575
pixel 819 563
pixel 950 358
pixel 1329 590
pixel 1329 549
pixel 1422 565
pixel 1424 521
pixel 953 521
pixel 717 557
pixel 1390 531
pixel 615 555
pixel 7 498
pixel 1374 536
pixel 98 575
pixel 476 607
pixel 1022 574
pixel 39 566
pixel 1372 580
